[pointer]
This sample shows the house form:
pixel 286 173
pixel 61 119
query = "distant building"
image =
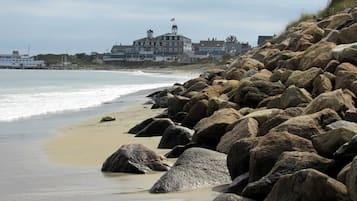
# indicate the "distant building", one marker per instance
pixel 262 39
pixel 217 48
pixel 17 60
pixel 166 47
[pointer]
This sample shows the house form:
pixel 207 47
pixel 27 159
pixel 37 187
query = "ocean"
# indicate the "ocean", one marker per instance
pixel 28 93
pixel 34 104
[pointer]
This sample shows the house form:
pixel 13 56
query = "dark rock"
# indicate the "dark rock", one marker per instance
pixel 288 163
pixel 294 96
pixel 346 75
pixel 179 149
pixel 231 197
pixel 134 158
pixel 246 128
pixel 238 184
pixel 155 128
pixel 269 148
pixel 215 104
pixel 347 151
pixel 351 115
pixel 179 117
pixel 175 135
pixel 238 156
pixel 251 93
pixel 326 144
pixel 175 104
pixel 106 119
pixel 348 34
pixel 210 130
pixel 263 115
pixel 308 125
pixel 351 182
pixel 304 79
pixel 199 86
pixel 140 126
pixel 191 82
pixel 321 85
pixel 197 112
pixel 338 100
pixel 308 185
pixel 342 175
pixel 195 168
pixel 332 66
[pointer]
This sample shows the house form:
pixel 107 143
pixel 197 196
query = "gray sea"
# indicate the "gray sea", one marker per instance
pixel 35 103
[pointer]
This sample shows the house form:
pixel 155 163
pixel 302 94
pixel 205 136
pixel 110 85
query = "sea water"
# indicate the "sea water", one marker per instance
pixel 27 93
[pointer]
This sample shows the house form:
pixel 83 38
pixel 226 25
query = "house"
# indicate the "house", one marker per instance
pixel 262 39
pixel 165 47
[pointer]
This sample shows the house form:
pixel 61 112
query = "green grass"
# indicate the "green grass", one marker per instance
pixel 333 7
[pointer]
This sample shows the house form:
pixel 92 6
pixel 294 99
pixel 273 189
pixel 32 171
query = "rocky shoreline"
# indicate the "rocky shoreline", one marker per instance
pixel 278 124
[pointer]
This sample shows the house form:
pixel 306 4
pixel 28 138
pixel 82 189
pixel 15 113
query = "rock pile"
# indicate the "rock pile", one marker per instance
pixel 284 113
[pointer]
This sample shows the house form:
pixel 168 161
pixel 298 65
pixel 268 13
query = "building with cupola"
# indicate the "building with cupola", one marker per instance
pixel 166 47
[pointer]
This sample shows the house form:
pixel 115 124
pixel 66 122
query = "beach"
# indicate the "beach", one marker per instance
pixel 88 143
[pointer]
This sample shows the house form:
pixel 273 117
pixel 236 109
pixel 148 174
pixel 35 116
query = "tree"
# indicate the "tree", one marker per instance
pixel 231 39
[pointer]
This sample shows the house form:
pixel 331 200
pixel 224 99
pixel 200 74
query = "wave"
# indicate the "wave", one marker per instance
pixel 17 106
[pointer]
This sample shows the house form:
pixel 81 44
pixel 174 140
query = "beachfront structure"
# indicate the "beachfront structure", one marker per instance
pixel 17 60
pixel 165 47
pixel 217 48
pixel 262 39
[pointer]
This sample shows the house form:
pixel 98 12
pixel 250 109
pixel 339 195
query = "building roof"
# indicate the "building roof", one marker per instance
pixel 211 43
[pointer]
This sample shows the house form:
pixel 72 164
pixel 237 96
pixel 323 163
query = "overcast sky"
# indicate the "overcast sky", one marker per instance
pixel 72 26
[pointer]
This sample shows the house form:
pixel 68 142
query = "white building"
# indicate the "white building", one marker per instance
pixel 17 60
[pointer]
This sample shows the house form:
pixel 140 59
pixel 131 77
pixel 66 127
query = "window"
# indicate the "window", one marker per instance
pixel 167 37
pixel 172 37
pixel 178 37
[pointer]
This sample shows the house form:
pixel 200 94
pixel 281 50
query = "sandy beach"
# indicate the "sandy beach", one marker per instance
pixel 90 142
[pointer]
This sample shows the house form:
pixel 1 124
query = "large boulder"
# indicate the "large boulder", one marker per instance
pixel 246 128
pixel 345 52
pixel 210 130
pixel 134 158
pixel 231 197
pixel 138 127
pixel 193 81
pixel 294 96
pixel 197 112
pixel 175 104
pixel 352 126
pixel 303 79
pixel 338 100
pixel 348 34
pixel 318 55
pixel 274 121
pixel 251 93
pixel 239 155
pixel 326 144
pixel 263 115
pixel 347 151
pixel 195 168
pixel 288 163
pixel 155 128
pixel 175 135
pixel 321 85
pixel 346 75
pixel 269 148
pixel 215 104
pixel 307 185
pixel 308 125
pixel 351 181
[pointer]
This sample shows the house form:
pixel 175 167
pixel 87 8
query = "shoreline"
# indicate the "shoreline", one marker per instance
pixel 89 142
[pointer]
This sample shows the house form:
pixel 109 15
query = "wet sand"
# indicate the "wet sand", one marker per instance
pixel 89 143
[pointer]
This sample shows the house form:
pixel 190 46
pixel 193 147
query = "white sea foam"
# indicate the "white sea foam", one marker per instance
pixel 14 106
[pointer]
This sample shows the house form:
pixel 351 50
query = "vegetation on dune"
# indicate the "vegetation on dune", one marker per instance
pixel 333 7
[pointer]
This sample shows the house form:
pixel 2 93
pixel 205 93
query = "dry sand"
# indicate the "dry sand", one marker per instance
pixel 89 143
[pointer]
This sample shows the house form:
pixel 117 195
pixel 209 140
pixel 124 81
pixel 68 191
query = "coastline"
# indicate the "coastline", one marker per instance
pixel 89 143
